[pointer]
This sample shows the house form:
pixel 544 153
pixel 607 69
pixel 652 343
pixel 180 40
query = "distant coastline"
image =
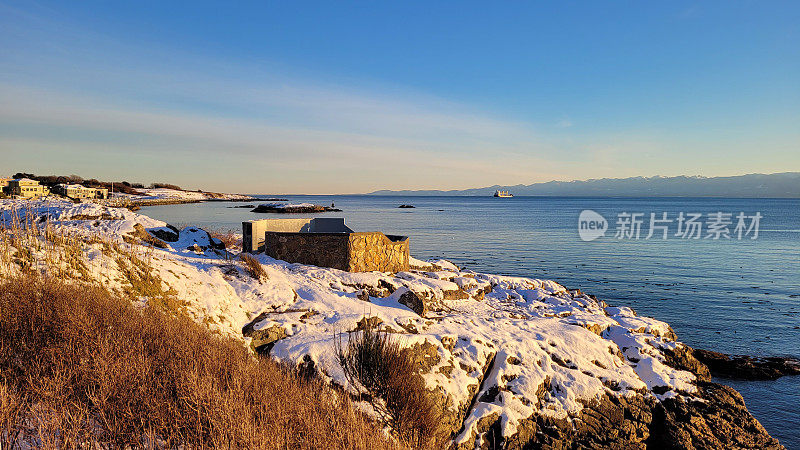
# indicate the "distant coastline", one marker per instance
pixel 776 185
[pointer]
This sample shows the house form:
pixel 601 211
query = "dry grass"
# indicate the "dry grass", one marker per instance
pixel 227 236
pixel 79 367
pixel 253 267
pixel 386 372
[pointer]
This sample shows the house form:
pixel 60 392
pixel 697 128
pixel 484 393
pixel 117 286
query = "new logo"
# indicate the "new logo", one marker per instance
pixel 591 225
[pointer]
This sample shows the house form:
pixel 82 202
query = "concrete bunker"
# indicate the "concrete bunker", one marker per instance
pixel 326 242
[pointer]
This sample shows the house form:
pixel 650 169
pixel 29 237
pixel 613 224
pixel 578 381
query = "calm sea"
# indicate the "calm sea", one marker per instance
pixel 728 295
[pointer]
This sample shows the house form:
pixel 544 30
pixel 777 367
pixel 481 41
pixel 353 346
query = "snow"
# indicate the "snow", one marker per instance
pixel 533 346
pixel 289 205
pixel 173 194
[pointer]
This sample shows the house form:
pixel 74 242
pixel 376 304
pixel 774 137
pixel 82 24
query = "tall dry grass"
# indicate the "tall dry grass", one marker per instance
pixel 253 267
pixel 387 376
pixel 80 366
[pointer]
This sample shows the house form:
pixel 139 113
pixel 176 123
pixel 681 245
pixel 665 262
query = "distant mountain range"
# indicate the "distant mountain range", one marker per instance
pixel 776 185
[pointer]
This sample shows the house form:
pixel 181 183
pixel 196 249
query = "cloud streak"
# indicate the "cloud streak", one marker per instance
pixel 73 101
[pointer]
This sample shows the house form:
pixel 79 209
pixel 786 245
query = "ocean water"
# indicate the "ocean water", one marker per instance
pixel 728 295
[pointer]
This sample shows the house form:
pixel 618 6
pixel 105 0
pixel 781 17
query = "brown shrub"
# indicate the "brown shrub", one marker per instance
pixel 79 367
pixel 253 267
pixel 385 371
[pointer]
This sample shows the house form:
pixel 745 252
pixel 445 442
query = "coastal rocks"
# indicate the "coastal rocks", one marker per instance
pixel 522 363
pixel 715 417
pixel 302 208
pixel 683 357
pixel 747 367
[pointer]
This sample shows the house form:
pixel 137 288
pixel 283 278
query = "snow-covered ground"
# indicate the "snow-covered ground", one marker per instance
pixel 519 346
pixel 173 194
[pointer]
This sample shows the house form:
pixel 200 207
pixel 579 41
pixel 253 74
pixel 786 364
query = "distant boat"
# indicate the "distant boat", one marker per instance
pixel 503 194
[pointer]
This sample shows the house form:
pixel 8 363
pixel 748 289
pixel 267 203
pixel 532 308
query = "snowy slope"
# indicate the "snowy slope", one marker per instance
pixel 500 346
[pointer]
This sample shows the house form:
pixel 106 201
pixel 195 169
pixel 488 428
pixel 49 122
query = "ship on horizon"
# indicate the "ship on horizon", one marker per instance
pixel 502 194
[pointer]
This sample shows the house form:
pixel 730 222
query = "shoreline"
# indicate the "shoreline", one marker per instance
pixel 482 335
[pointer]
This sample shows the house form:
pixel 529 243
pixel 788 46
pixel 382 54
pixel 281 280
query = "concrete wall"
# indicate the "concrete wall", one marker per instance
pixel 253 231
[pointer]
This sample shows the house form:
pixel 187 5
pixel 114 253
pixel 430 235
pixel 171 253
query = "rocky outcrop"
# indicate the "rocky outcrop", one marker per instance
pixel 140 236
pixel 683 357
pixel 715 418
pixel 508 367
pixel 747 367
pixel 167 234
pixel 293 209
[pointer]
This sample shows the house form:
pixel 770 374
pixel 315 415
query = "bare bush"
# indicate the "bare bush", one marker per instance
pixel 253 267
pixel 386 373
pixel 80 367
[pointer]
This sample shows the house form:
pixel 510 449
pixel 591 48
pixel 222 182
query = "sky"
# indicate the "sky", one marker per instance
pixel 351 97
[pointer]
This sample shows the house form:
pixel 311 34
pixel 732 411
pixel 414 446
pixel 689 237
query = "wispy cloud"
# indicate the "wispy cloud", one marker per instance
pixel 75 92
pixel 72 100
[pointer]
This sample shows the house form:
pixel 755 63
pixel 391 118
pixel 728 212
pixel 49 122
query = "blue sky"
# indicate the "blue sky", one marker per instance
pixel 336 97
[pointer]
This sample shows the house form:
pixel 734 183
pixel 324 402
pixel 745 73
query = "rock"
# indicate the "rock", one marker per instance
pixel 288 209
pixel 683 357
pixel 718 419
pixel 747 367
pixel 139 233
pixel 264 339
pixel 371 323
pixel 456 294
pixel 406 206
pixel 363 295
pixel 169 235
pixel 412 300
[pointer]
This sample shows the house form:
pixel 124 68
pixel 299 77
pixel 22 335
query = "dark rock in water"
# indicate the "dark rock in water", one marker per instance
pixel 287 209
pixel 720 421
pixel 747 367
pixel 242 206
pixel 406 206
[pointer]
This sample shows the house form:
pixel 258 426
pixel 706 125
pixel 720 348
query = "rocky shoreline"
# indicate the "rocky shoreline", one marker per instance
pixel 512 362
pixel 742 367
